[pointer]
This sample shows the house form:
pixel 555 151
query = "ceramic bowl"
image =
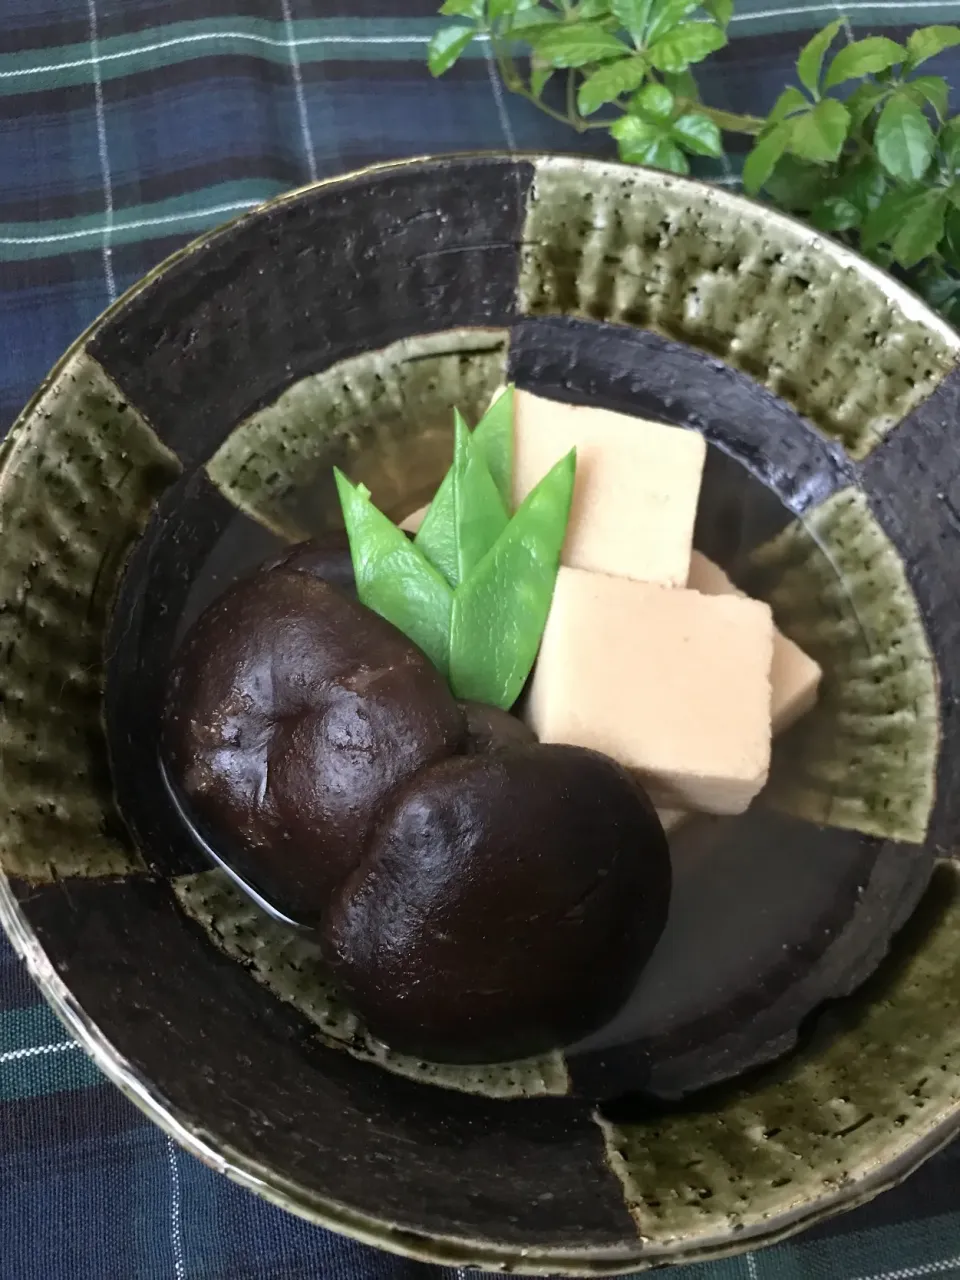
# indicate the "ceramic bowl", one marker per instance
pixel 192 430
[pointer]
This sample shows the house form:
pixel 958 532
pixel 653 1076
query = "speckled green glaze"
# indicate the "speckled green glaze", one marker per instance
pixel 288 963
pixel 866 757
pixel 79 478
pixel 276 466
pixel 850 349
pixel 811 1129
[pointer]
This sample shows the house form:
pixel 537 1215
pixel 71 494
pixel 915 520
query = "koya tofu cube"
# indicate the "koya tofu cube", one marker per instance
pixel 672 683
pixel 794 677
pixel 636 491
pixel 412 522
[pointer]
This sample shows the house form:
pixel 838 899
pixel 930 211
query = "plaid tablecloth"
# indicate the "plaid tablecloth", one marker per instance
pixel 126 127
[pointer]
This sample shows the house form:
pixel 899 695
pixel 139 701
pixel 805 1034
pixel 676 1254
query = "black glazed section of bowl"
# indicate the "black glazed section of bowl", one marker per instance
pixel 400 251
pixel 771 915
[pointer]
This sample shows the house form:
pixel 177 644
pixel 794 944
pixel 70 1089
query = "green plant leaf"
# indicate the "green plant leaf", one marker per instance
pixel 464 9
pixel 690 42
pixel 762 160
pixel 593 9
pixel 932 90
pixel 819 135
pixel 864 184
pixel 446 46
pixel 789 103
pixel 862 58
pixel 497 9
pixel 682 84
pixel 648 142
pixel 698 134
pixel 394 578
pixel 883 222
pixel 864 100
pixel 810 62
pixel 608 82
pixel 666 15
pixel 950 245
pixel 540 73
pixel 493 443
pixel 836 213
pixel 904 140
pixel 633 15
pixel 577 44
pixel 529 19
pixel 720 10
pixel 922 231
pixel 654 101
pixel 927 42
pixel 796 184
pixel 479 516
pixel 950 143
pixel 500 611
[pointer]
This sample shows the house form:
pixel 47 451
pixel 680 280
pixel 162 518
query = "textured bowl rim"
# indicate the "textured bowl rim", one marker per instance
pixel 368 1228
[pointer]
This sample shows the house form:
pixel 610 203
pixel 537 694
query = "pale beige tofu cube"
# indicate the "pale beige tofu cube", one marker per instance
pixel 794 677
pixel 414 520
pixel 672 683
pixel 636 491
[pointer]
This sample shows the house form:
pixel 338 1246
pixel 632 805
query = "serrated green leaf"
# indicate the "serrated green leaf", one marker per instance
pixel 720 10
pixel 819 135
pixel 394 578
pixel 789 102
pixel 633 15
pixel 690 42
pixel 903 140
pixel 810 62
pixel 609 82
pixel 682 84
pixel 500 611
pixel 797 185
pixel 576 44
pixel 540 73
pixel 932 90
pixel 593 9
pixel 654 101
pixel 950 246
pixel 697 134
pixel 950 144
pixel 648 142
pixel 836 213
pixel 882 223
pixel 497 9
pixel 864 184
pixel 530 19
pixel 921 232
pixel 762 160
pixel 668 14
pixel 463 9
pixel 862 58
pixel 927 42
pixel 864 100
pixel 446 46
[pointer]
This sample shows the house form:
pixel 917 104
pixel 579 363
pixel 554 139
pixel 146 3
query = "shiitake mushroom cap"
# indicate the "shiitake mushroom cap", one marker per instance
pixel 292 714
pixel 506 904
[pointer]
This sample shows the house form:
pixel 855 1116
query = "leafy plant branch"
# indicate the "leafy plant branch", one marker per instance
pixel 862 145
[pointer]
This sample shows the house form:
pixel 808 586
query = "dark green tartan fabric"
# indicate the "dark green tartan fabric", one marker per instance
pixel 126 127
